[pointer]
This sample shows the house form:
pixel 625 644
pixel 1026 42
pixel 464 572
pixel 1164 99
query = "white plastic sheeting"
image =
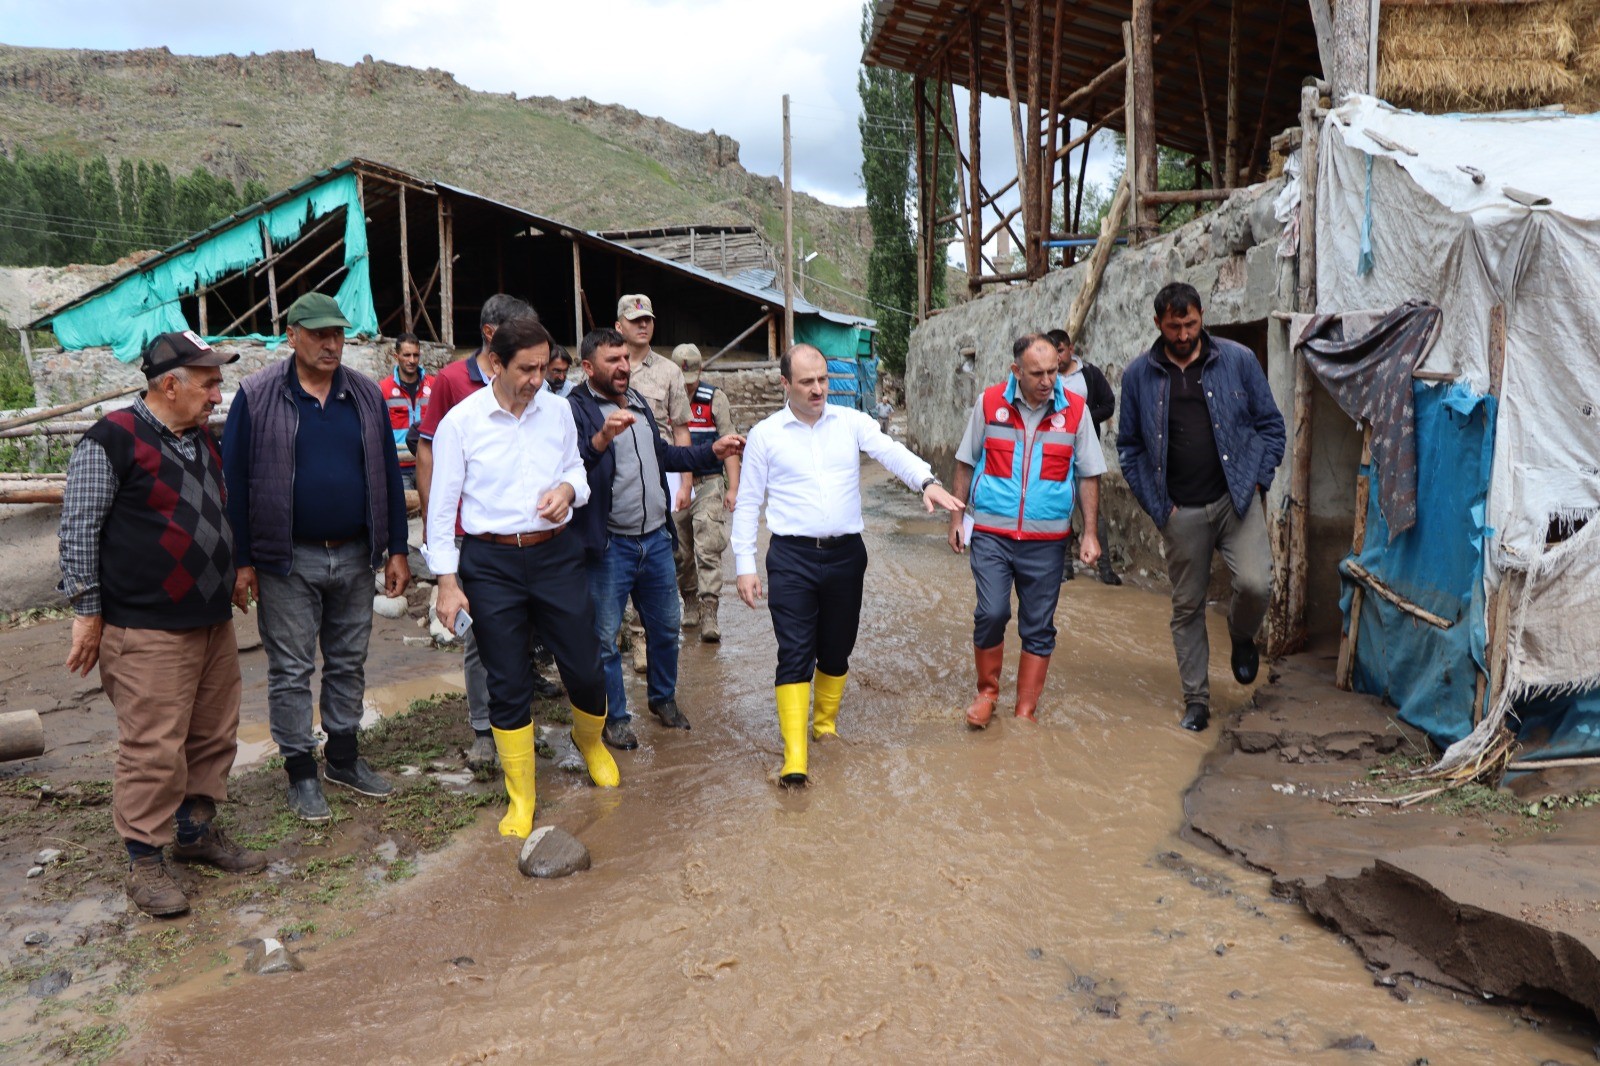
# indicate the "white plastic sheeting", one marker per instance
pixel 1449 223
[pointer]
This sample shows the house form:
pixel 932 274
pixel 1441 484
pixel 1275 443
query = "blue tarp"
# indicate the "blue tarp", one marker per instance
pixel 1559 727
pixel 1429 673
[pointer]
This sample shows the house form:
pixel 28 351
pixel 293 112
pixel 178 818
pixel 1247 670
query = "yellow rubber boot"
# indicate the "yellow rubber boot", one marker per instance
pixel 516 761
pixel 586 737
pixel 830 690
pixel 794 707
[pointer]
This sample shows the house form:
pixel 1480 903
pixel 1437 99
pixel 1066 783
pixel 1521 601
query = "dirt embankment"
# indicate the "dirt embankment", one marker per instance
pixel 1477 890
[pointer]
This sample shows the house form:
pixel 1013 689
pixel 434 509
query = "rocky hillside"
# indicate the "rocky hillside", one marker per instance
pixel 280 116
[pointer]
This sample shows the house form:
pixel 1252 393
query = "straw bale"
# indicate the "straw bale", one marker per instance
pixel 1476 57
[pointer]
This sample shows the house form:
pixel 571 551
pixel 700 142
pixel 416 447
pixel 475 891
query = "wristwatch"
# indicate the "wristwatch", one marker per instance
pixel 926 483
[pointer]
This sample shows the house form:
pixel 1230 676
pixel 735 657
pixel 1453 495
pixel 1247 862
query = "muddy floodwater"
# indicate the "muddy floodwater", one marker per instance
pixel 1022 894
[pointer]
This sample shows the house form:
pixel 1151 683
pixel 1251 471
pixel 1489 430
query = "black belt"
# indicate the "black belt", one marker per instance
pixel 818 542
pixel 329 544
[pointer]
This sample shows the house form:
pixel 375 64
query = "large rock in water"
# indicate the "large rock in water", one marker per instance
pixel 552 852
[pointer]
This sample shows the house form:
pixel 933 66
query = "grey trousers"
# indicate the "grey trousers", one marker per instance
pixel 1033 568
pixel 325 599
pixel 1191 534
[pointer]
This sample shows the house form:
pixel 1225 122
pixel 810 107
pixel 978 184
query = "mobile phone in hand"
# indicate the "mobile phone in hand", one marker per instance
pixel 463 623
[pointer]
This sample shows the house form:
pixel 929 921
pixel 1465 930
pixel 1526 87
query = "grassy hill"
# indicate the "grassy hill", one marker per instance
pixel 280 116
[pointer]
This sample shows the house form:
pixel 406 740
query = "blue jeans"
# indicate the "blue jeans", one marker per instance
pixel 643 568
pixel 326 599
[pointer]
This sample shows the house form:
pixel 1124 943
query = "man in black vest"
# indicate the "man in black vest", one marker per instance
pixel 703 525
pixel 315 498
pixel 147 561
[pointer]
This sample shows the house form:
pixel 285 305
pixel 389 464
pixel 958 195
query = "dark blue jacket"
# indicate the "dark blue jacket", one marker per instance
pixel 259 445
pixel 590 520
pixel 1247 425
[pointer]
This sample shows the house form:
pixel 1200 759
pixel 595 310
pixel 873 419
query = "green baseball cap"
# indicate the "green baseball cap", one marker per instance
pixel 317 310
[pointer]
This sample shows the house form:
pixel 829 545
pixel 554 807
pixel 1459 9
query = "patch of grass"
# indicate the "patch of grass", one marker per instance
pixel 294 930
pixel 429 813
pixel 400 870
pixel 92 1043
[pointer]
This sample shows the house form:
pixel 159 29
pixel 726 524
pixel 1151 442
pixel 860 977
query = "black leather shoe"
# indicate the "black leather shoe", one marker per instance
pixel 1196 716
pixel 1246 661
pixel 1109 576
pixel 669 714
pixel 619 735
pixel 544 688
pixel 358 777
pixel 306 801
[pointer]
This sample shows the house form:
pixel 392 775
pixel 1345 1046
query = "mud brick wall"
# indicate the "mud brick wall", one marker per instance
pixel 753 392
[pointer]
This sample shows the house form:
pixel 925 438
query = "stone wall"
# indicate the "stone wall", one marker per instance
pixel 1229 255
pixel 753 392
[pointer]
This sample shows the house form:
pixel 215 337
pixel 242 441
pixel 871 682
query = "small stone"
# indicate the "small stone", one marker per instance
pixel 552 852
pixel 1236 994
pixel 35 871
pixel 36 939
pixel 51 983
pixel 1106 1007
pixel 269 956
pixel 1221 949
pixel 47 856
pixel 417 642
pixel 1036 954
pixel 1357 1042
pixel 463 960
pixel 389 606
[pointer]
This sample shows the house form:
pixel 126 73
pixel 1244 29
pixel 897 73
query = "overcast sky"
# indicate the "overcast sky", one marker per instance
pixel 702 64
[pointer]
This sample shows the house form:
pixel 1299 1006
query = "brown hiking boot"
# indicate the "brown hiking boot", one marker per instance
pixel 152 889
pixel 691 611
pixel 215 848
pixel 710 632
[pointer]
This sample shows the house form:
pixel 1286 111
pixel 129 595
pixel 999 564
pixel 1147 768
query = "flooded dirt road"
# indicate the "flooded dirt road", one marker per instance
pixel 1015 895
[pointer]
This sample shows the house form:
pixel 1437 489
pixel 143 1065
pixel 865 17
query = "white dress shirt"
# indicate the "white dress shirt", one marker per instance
pixel 497 465
pixel 809 477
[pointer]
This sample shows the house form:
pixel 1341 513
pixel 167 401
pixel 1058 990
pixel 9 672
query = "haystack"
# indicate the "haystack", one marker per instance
pixel 1490 56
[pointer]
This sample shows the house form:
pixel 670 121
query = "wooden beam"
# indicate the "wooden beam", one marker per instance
pixel 272 276
pixel 1352 47
pixel 1322 22
pixel 202 311
pixel 1018 143
pixel 577 292
pixel 1254 159
pixel 447 274
pixel 67 408
pixel 1378 586
pixel 757 324
pixel 1205 108
pixel 1083 173
pixel 1037 217
pixel 1498 612
pixel 1130 142
pixel 931 249
pixel 1084 301
pixel 405 266
pixel 1088 134
pixel 924 183
pixel 1186 196
pixel 1142 75
pixel 772 338
pixel 1230 160
pixel 974 116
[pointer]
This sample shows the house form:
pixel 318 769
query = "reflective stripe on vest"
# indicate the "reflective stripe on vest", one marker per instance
pixel 1024 488
pixel 702 423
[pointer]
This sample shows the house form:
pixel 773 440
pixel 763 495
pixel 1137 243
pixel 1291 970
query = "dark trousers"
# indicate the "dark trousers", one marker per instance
pixel 1034 568
pixel 518 593
pixel 814 593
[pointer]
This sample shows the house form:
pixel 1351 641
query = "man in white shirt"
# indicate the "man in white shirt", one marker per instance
pixel 804 463
pixel 508 455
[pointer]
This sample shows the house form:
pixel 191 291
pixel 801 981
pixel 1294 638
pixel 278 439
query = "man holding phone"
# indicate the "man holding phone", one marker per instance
pixel 508 456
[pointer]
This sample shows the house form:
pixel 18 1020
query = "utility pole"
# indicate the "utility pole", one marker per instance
pixel 788 231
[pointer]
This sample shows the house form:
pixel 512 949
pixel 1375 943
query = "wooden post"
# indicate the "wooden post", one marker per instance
pixel 1018 144
pixel 408 317
pixel 919 116
pixel 1048 158
pixel 974 115
pixel 1130 122
pixel 1352 47
pixel 765 319
pixel 447 274
pixel 1036 219
pixel 272 276
pixel 21 735
pixel 1083 173
pixel 1259 141
pixel 1299 517
pixel 1205 110
pixel 1498 612
pixel 788 229
pixel 577 295
pixel 931 247
pixel 205 324
pixel 1230 162
pixel 1141 73
pixel 1358 540
pixel 772 338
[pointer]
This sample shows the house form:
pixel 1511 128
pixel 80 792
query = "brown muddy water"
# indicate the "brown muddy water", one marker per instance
pixel 1019 894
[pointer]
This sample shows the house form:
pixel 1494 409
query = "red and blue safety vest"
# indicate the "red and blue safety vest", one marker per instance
pixel 405 410
pixel 1023 490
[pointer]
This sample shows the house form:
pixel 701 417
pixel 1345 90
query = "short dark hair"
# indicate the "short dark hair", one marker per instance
pixel 1028 340
pixel 1059 338
pixel 1177 297
pixel 514 335
pixel 595 339
pixel 406 338
pixel 786 360
pixel 559 354
pixel 501 308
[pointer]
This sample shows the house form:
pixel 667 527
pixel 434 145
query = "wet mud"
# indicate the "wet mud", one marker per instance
pixel 1025 893
pixel 1489 893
